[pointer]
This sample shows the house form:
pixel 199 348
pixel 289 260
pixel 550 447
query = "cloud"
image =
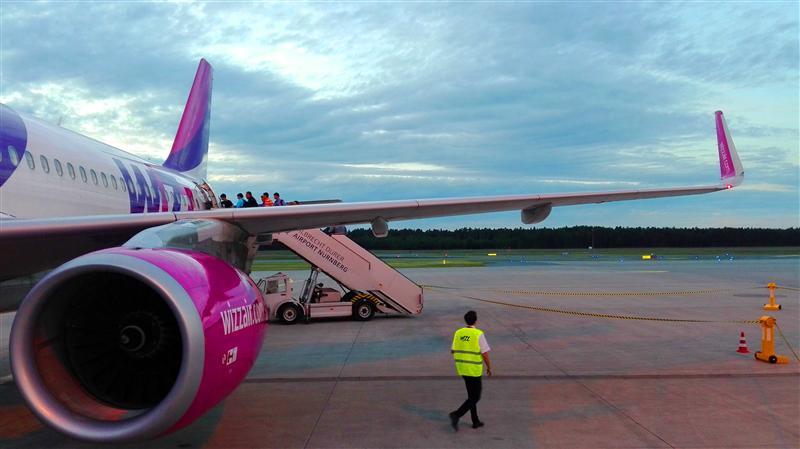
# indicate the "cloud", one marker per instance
pixel 767 187
pixel 385 101
pixel 400 166
pixel 586 182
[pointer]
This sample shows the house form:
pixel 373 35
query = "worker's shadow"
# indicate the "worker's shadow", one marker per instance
pixel 433 415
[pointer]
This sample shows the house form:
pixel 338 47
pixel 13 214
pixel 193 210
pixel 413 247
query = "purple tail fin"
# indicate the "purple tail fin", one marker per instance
pixel 190 148
pixel 730 167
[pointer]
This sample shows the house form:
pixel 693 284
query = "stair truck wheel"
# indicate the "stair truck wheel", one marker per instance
pixel 363 310
pixel 289 313
pixel 773 359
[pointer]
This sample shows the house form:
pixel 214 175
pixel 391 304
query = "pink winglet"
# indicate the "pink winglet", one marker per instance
pixel 730 167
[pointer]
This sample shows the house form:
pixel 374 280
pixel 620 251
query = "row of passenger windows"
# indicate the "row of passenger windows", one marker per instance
pixel 13 155
pixel 106 180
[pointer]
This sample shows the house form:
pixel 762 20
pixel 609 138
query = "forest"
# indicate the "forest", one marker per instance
pixel 575 237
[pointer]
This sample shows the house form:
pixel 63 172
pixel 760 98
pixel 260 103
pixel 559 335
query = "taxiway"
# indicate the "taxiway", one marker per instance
pixel 561 380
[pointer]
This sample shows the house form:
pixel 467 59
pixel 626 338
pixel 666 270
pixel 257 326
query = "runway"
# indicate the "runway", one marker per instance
pixel 561 380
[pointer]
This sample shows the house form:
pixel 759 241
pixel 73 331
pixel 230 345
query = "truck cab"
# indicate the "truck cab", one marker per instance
pixel 315 300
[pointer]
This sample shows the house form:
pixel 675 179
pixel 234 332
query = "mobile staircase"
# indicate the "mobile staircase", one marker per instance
pixel 371 283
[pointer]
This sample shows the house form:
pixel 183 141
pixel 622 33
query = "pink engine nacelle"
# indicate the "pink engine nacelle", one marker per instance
pixel 127 344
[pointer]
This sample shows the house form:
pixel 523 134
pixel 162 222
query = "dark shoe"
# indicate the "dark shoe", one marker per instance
pixel 454 421
pixel 477 424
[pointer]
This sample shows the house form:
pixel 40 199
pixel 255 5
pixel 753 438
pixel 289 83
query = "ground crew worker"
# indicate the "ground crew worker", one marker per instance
pixel 470 351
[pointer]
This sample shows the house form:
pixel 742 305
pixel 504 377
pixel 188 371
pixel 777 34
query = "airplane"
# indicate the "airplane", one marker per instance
pixel 120 336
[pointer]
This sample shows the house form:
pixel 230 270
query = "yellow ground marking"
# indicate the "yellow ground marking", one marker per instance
pixel 590 293
pixel 607 315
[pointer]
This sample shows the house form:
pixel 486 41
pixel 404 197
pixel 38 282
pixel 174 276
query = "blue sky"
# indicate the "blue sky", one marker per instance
pixel 371 101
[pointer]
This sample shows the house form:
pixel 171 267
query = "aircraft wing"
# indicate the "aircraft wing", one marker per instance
pixel 42 243
pixel 534 208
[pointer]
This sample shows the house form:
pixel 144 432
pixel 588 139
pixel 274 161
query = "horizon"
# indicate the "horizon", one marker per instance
pixel 525 227
pixel 400 101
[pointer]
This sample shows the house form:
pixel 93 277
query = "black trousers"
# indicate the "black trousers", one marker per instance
pixel 474 387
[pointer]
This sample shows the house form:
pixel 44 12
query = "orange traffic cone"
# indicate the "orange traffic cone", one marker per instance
pixel 742 345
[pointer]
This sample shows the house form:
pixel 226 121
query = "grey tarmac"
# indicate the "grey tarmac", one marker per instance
pixel 561 380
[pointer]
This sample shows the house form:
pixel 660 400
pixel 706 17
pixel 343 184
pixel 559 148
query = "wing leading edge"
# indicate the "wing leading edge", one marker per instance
pixel 19 236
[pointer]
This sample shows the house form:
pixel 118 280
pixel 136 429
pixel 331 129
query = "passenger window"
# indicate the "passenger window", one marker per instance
pixel 94 176
pixel 113 182
pixel 104 178
pixel 59 169
pixel 45 164
pixel 122 184
pixel 83 172
pixel 29 160
pixel 13 156
pixel 71 170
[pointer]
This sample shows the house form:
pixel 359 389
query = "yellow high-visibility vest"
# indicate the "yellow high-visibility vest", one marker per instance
pixel 467 352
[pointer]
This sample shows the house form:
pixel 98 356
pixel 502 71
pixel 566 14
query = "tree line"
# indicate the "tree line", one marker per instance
pixel 574 237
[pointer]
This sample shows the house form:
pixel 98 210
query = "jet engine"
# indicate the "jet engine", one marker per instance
pixel 128 344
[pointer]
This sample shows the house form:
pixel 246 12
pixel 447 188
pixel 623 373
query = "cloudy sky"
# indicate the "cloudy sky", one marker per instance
pixel 370 101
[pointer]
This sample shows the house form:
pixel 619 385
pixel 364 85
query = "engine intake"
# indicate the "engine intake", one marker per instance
pixel 124 348
pixel 128 344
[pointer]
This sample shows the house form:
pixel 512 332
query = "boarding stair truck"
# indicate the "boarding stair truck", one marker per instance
pixel 368 284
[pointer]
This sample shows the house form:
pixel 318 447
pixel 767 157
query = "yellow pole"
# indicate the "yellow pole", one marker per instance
pixel 767 352
pixel 772 306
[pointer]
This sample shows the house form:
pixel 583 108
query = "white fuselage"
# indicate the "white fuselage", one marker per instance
pixel 62 173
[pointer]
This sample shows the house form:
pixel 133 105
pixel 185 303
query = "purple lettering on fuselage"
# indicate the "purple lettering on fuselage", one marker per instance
pixel 139 192
pixel 165 179
pixel 158 186
pixel 151 198
pixel 13 138
pixel 137 203
pixel 189 195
